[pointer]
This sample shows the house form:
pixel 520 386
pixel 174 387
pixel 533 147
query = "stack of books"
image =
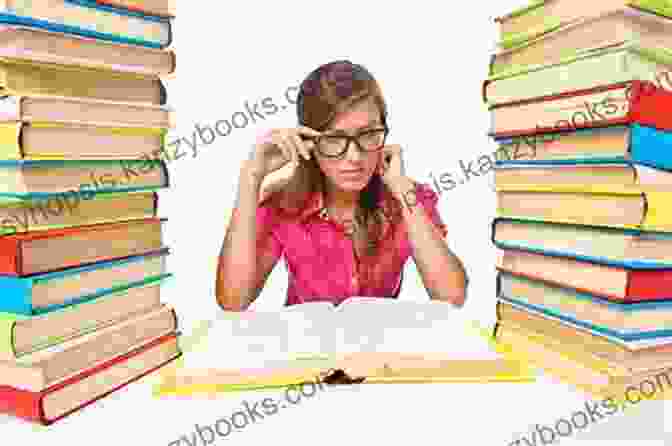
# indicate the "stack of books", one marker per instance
pixel 580 98
pixel 83 119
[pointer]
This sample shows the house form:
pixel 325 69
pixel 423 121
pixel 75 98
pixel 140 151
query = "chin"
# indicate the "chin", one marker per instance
pixel 354 186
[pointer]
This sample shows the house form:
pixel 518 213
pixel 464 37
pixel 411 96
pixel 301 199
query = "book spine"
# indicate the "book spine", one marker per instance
pixel 657 213
pixel 11 135
pixel 16 296
pixel 7 344
pixel 650 105
pixel 650 147
pixel 22 404
pixel 9 256
pixel 647 285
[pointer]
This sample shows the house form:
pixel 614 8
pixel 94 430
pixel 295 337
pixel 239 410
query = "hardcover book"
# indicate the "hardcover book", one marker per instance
pixel 369 340
pixel 614 283
pixel 599 27
pixel 90 19
pixel 83 388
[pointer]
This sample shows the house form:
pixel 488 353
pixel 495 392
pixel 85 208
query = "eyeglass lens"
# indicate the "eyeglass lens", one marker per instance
pixel 335 145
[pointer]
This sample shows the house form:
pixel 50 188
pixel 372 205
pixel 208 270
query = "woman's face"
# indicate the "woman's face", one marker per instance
pixel 354 169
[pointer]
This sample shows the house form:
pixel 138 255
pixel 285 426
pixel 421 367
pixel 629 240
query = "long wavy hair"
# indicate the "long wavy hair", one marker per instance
pixel 328 90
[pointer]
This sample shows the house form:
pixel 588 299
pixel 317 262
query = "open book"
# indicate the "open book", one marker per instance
pixel 361 340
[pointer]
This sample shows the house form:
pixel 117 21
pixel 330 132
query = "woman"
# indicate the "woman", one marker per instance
pixel 348 217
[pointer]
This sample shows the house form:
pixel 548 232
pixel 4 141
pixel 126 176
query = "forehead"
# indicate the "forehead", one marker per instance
pixel 361 114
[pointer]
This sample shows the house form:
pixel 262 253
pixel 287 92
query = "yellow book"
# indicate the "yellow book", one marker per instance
pixel 593 375
pixel 45 140
pixel 363 340
pixel 18 77
pixel 74 209
pixel 190 381
pixel 635 206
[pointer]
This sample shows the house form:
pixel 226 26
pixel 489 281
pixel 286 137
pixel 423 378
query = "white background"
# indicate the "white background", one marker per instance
pixel 430 58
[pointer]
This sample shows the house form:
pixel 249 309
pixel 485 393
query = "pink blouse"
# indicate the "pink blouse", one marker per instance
pixel 320 258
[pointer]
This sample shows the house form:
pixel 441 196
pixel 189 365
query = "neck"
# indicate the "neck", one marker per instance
pixel 340 199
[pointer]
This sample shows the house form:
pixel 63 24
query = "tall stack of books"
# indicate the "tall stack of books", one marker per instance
pixel 82 127
pixel 580 97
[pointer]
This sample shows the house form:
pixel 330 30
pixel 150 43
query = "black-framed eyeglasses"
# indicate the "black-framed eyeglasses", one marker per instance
pixel 336 145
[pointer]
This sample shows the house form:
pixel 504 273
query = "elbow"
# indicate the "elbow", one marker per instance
pixel 229 298
pixel 459 299
pixel 454 294
pixel 456 298
pixel 229 303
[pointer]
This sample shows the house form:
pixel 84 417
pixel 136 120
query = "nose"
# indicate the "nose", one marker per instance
pixel 353 153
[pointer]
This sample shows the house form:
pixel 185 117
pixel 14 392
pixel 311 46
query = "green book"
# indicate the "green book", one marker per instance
pixel 623 63
pixel 588 34
pixel 544 16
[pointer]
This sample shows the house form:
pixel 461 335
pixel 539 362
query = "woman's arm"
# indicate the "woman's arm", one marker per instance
pixel 249 251
pixel 242 270
pixel 442 272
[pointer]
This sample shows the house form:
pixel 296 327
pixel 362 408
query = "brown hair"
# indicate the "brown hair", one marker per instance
pixel 328 90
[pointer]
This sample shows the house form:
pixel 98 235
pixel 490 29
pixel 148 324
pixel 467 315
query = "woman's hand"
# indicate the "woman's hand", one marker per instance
pixel 391 169
pixel 279 147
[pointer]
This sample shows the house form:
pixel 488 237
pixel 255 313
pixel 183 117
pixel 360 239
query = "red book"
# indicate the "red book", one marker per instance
pixel 36 252
pixel 612 283
pixel 78 391
pixel 636 102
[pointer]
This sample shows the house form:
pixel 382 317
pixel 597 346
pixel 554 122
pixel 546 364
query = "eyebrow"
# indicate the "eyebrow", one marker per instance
pixel 369 126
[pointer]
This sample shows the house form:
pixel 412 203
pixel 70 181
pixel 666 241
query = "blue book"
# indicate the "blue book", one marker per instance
pixel 631 144
pixel 43 293
pixel 88 18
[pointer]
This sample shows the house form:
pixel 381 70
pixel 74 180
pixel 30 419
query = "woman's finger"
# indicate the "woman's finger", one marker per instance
pixel 309 145
pixel 300 146
pixel 290 150
pixel 286 151
pixel 307 131
pixel 296 150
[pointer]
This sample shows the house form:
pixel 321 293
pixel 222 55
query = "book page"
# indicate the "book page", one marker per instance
pixel 257 341
pixel 412 329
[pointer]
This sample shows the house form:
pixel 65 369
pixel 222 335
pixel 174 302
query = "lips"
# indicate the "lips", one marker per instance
pixel 351 172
